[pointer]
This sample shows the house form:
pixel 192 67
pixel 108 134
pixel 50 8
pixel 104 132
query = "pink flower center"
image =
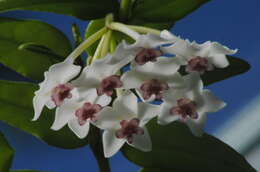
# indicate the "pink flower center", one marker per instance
pixel 199 64
pixel 61 92
pixel 146 55
pixel 87 111
pixel 109 84
pixel 153 87
pixel 185 108
pixel 128 129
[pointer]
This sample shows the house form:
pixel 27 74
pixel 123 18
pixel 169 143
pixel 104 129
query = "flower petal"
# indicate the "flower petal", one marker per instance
pixel 197 125
pixel 211 102
pixel 165 117
pixel 80 131
pixel 64 114
pixel 108 118
pixel 219 60
pixel 142 142
pixel 146 112
pixel 132 79
pixel 111 144
pixel 64 71
pixel 217 48
pixel 193 82
pixel 165 34
pixel 39 101
pixel 126 104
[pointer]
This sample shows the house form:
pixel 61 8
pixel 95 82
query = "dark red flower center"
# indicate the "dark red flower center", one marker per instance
pixel 108 84
pixel 153 87
pixel 185 108
pixel 87 112
pixel 146 55
pixel 128 129
pixel 61 92
pixel 199 64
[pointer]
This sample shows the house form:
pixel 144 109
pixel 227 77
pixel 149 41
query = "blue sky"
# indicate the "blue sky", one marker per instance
pixel 234 23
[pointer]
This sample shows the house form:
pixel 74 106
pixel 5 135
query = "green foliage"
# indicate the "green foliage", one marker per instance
pixel 16 110
pixel 24 171
pixel 83 9
pixel 6 154
pixel 93 27
pixel 175 148
pixel 164 11
pixel 16 33
pixel 159 170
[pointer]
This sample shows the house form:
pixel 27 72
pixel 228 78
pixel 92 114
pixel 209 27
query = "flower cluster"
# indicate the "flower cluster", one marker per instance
pixel 121 102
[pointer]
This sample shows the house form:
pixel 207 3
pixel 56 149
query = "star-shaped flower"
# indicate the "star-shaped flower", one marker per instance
pixel 125 122
pixel 200 57
pixel 189 105
pixel 79 113
pixel 102 73
pixel 56 87
pixel 152 79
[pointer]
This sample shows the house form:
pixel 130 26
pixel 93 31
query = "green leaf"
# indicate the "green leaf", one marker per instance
pixel 6 154
pixel 14 33
pixel 83 9
pixel 16 110
pixel 164 11
pixel 174 147
pixel 237 66
pixel 93 27
pixel 155 25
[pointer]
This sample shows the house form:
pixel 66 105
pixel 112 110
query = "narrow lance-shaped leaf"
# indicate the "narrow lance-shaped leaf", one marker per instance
pixel 83 9
pixel 16 110
pixel 174 147
pixel 31 64
pixel 6 154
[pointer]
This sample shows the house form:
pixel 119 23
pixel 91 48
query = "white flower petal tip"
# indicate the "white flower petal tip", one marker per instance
pixel 81 131
pixel 111 144
pixel 165 34
pixel 142 142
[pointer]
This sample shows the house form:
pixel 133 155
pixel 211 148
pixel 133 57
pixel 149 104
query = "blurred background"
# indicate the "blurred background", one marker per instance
pixel 234 23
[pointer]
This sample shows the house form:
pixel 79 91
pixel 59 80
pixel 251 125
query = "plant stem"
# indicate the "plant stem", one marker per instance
pixel 124 29
pixel 125 7
pixel 97 53
pixel 96 146
pixel 106 43
pixel 85 44
pixel 142 29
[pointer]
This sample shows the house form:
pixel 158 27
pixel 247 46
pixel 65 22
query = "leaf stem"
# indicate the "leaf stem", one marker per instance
pixel 106 43
pixel 97 53
pixel 88 42
pixel 97 149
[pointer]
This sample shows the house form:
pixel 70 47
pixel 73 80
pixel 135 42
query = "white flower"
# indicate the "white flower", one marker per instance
pixel 56 87
pixel 79 113
pixel 125 122
pixel 200 57
pixel 189 105
pixel 153 78
pixel 102 73
pixel 147 47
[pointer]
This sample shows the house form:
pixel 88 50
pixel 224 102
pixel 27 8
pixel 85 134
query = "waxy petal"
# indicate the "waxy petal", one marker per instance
pixel 197 125
pixel 211 102
pixel 39 101
pixel 80 130
pixel 165 117
pixel 142 141
pixel 146 112
pixel 111 143
pixel 108 119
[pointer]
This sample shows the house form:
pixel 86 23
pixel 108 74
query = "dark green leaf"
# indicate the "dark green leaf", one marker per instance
pixel 83 9
pixel 14 33
pixel 6 154
pixel 16 110
pixel 174 147
pixel 237 66
pixel 155 25
pixel 93 27
pixel 158 170
pixel 165 10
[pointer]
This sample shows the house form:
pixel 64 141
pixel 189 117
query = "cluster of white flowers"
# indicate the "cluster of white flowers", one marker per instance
pixel 120 103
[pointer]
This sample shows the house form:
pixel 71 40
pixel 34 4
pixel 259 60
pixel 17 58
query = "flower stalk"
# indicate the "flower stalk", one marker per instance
pixel 97 149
